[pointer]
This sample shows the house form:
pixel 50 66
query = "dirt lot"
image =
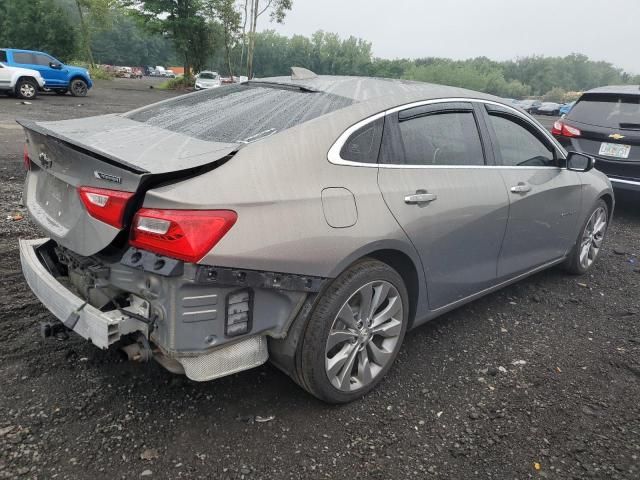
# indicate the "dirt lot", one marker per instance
pixel 539 380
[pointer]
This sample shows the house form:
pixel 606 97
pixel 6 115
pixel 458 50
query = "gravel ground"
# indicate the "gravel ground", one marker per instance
pixel 541 379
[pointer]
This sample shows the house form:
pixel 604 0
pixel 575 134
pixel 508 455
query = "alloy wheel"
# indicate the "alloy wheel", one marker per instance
pixel 363 336
pixel 27 90
pixel 592 237
pixel 79 88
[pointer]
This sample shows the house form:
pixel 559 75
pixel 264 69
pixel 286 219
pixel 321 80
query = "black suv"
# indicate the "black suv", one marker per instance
pixel 605 123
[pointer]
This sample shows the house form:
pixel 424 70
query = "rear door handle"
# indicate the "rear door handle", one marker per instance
pixel 520 188
pixel 418 198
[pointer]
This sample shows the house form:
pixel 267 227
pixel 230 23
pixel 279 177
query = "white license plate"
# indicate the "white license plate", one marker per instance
pixel 615 150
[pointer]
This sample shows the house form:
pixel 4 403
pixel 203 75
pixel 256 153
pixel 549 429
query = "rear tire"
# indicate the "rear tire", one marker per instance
pixel 79 88
pixel 589 242
pixel 26 89
pixel 354 333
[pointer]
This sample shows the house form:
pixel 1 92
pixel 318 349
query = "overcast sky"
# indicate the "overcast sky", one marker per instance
pixel 499 29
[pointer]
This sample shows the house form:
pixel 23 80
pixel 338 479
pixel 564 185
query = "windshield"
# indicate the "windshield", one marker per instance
pixel 239 113
pixel 208 76
pixel 607 110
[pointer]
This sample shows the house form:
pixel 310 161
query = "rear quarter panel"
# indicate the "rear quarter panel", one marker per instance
pixel 275 186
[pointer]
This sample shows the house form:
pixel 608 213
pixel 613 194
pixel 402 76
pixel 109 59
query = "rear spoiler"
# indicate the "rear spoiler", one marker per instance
pixel 134 146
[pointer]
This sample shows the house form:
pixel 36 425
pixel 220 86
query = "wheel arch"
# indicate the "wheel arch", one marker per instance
pixel 402 258
pixel 26 77
pixel 397 255
pixel 608 199
pixel 77 76
pixel 402 264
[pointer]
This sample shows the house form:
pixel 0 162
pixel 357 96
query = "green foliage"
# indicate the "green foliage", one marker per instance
pixel 93 15
pixel 37 25
pixel 178 83
pixel 226 12
pixel 279 9
pixel 328 54
pixel 99 73
pixel 189 32
pixel 182 21
pixel 253 10
pixel 556 94
pixel 126 43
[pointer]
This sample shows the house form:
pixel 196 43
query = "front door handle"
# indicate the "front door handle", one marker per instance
pixel 520 188
pixel 419 197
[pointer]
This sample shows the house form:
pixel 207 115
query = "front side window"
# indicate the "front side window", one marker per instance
pixel 43 60
pixel 519 147
pixel 441 138
pixel 23 58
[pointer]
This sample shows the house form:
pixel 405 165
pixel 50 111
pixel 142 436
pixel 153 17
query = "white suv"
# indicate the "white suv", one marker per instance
pixel 21 82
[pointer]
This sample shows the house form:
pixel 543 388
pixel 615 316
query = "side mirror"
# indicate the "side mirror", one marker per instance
pixel 579 162
pixel 56 66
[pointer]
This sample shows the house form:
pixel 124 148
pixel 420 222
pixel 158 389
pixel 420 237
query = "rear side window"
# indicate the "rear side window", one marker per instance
pixel 24 58
pixel 517 146
pixel 364 145
pixel 239 113
pixel 607 110
pixel 447 138
pixel 3 56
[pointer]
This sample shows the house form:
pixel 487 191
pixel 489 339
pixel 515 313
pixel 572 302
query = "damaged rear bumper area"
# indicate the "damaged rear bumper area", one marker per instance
pixel 205 322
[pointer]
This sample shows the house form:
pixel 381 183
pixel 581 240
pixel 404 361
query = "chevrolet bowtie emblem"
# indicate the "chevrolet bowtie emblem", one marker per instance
pixel 616 136
pixel 45 161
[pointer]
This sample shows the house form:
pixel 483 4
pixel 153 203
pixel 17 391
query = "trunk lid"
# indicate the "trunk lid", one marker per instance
pixel 109 152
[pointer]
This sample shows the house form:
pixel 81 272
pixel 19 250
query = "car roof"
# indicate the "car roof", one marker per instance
pixel 620 89
pixel 20 50
pixel 390 91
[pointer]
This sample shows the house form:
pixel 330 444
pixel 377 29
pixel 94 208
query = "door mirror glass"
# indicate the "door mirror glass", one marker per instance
pixel 55 65
pixel 579 162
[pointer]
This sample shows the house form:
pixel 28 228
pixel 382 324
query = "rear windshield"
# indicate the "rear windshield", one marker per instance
pixel 607 110
pixel 239 113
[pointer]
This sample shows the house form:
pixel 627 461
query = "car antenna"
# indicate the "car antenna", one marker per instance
pixel 299 73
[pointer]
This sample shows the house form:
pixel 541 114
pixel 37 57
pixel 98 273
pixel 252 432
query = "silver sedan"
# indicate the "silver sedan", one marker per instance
pixel 306 220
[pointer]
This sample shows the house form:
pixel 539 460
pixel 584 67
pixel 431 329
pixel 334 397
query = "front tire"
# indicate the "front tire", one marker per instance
pixel 79 88
pixel 354 333
pixel 26 89
pixel 589 241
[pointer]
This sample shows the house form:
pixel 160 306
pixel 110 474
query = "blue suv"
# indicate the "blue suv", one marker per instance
pixel 57 76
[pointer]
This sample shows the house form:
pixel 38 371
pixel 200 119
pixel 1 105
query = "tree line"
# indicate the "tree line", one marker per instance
pixel 223 35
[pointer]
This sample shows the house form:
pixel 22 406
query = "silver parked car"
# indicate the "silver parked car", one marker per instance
pixel 308 220
pixel 207 79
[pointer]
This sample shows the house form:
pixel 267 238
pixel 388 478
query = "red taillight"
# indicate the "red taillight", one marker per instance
pixel 106 205
pixel 25 159
pixel 561 129
pixel 183 234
